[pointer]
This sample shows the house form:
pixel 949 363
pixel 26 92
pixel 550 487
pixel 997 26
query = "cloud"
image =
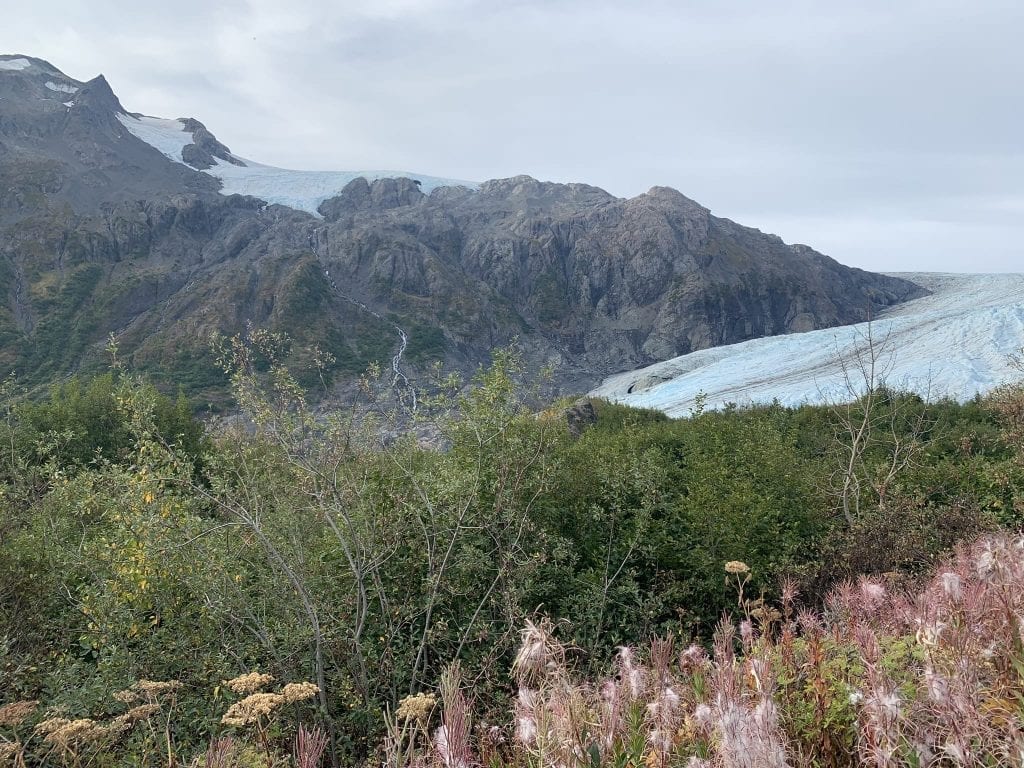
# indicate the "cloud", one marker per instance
pixel 886 134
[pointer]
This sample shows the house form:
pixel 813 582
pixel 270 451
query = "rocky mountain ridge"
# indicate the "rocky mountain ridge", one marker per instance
pixel 102 232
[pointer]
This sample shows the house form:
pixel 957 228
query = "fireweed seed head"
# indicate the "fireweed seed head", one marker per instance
pixel 526 730
pixel 692 658
pixel 952 585
pixel 532 656
pixel 871 592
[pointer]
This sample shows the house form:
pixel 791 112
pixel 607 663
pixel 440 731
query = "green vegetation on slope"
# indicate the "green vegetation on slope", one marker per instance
pixel 132 547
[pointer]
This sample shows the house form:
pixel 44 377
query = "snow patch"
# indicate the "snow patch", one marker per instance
pixel 955 343
pixel 302 190
pixel 61 87
pixel 69 104
pixel 15 65
pixel 167 136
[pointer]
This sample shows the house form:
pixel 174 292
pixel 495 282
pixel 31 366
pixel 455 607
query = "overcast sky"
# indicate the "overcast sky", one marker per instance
pixel 889 135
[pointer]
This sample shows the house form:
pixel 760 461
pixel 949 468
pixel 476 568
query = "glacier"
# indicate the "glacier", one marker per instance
pixel 302 190
pixel 955 343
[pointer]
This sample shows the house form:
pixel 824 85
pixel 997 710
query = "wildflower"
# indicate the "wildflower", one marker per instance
pixel 294 692
pixel 736 567
pixel 17 712
pixel 243 685
pixel 417 707
pixel 253 707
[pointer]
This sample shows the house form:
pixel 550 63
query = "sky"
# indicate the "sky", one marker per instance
pixel 889 135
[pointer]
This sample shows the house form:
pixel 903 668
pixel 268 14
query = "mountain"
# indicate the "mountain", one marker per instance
pixel 153 230
pixel 958 342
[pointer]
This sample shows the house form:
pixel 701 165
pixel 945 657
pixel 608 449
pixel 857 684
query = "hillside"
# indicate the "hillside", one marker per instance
pixel 115 223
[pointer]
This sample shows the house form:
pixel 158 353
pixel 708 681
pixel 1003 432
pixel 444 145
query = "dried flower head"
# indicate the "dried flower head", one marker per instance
pixel 9 750
pixel 737 567
pixel 253 707
pixel 78 731
pixel 17 712
pixel 248 683
pixel 294 692
pixel 127 696
pixel 141 712
pixel 416 707
pixel 156 688
pixel 50 725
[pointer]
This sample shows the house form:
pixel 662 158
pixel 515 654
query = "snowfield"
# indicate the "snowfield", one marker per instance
pixel 61 87
pixel 303 190
pixel 15 65
pixel 954 343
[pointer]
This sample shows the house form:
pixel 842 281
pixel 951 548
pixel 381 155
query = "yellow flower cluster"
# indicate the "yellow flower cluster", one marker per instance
pixel 736 567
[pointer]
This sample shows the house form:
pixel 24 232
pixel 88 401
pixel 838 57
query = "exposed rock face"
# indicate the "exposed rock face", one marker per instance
pixel 101 233
pixel 592 281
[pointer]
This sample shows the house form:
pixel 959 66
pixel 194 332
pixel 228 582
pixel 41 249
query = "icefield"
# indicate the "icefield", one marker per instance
pixel 303 190
pixel 955 343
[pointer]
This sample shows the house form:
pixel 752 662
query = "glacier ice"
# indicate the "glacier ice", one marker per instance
pixel 955 343
pixel 303 190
